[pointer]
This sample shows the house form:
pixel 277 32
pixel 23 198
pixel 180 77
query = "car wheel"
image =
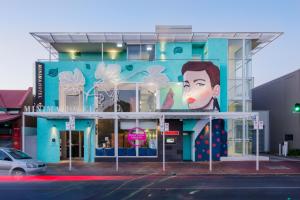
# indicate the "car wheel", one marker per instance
pixel 18 172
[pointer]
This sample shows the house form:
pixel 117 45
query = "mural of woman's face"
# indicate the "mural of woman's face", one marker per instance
pixel 197 90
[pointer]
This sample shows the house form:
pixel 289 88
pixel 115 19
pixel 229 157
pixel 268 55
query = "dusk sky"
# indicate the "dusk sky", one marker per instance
pixel 19 50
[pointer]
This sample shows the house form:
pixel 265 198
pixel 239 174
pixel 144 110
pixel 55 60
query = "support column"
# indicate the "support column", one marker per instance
pixel 23 132
pixel 137 98
pixel 136 141
pixel 116 143
pixel 116 128
pixel 102 51
pixel 244 137
pixel 70 145
pixel 257 143
pixel 164 145
pixel 137 109
pixel 210 143
pixel 243 95
pixel 157 99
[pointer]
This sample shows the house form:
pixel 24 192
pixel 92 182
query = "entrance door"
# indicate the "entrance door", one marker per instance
pixel 77 145
pixel 187 145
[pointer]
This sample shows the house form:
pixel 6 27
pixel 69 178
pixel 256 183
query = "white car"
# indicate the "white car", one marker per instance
pixel 18 163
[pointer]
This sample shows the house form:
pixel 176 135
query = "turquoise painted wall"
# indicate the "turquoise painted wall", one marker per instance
pixel 177 51
pixel 171 56
pixel 172 70
pixel 217 51
pixel 48 151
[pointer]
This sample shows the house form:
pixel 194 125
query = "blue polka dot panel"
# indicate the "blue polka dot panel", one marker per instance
pixel 219 141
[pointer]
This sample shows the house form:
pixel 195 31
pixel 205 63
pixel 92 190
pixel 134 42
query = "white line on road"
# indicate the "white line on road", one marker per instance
pixel 208 188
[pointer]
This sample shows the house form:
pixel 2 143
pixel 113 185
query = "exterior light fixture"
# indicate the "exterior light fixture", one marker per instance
pixel 73 54
pixel 119 44
pixel 113 54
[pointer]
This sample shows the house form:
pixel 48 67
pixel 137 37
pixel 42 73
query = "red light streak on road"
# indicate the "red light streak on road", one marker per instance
pixel 62 178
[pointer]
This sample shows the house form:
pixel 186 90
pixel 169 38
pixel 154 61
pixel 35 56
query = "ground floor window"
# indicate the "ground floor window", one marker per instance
pixel 235 137
pixel 136 138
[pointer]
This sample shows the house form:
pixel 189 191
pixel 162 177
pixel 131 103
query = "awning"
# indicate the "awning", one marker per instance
pixel 50 40
pixel 142 115
pixel 8 117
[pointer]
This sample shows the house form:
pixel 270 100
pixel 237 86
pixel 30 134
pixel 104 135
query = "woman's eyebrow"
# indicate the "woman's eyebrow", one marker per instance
pixel 187 82
pixel 199 80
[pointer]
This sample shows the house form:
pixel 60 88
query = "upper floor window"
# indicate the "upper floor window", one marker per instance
pixel 70 101
pixel 141 52
pixel 71 88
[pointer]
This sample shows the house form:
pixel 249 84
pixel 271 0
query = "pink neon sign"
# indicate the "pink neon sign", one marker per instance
pixel 137 134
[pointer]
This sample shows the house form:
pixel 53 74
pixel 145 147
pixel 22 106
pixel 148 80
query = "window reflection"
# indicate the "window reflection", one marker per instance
pixel 126 98
pixel 147 100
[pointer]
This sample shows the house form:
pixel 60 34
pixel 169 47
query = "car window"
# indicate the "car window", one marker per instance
pixel 3 155
pixel 16 154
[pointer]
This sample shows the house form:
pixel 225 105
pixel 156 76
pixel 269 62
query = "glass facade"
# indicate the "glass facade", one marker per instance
pixel 240 83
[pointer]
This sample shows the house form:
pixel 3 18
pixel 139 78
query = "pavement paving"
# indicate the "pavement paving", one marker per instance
pixel 178 168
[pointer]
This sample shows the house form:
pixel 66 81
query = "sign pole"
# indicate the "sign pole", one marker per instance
pixel 23 133
pixel 257 144
pixel 164 151
pixel 116 143
pixel 70 144
pixel 210 143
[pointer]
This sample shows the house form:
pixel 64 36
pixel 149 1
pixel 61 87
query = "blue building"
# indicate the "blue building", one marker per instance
pixel 145 96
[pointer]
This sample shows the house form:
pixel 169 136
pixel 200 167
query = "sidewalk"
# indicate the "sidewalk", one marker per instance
pixel 179 168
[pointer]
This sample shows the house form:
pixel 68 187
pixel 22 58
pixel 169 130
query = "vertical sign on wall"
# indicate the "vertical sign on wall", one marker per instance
pixel 39 84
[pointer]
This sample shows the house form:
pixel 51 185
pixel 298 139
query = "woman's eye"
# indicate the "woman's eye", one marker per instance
pixel 186 86
pixel 200 84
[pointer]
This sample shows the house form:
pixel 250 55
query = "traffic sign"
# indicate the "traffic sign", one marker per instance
pixel 261 125
pixel 166 126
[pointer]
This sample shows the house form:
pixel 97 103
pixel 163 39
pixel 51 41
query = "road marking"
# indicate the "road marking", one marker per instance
pixel 193 192
pixel 209 188
pixel 129 181
pixel 146 187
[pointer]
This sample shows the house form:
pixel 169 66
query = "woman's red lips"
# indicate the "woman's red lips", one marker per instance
pixel 191 100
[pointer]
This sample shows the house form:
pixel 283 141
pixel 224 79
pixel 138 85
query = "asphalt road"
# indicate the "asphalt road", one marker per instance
pixel 160 187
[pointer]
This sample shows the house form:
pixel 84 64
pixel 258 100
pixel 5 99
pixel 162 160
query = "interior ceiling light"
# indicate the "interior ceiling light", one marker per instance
pixel 149 48
pixel 119 45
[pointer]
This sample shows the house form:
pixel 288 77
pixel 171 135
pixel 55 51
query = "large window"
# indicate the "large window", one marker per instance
pixel 133 52
pixel 146 147
pixel 105 138
pixel 70 100
pixel 126 97
pixel 147 100
pixel 141 52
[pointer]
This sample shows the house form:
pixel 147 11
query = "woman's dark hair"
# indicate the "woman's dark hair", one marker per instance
pixel 211 69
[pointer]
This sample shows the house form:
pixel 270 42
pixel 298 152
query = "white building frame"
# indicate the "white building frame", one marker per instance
pixel 148 115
